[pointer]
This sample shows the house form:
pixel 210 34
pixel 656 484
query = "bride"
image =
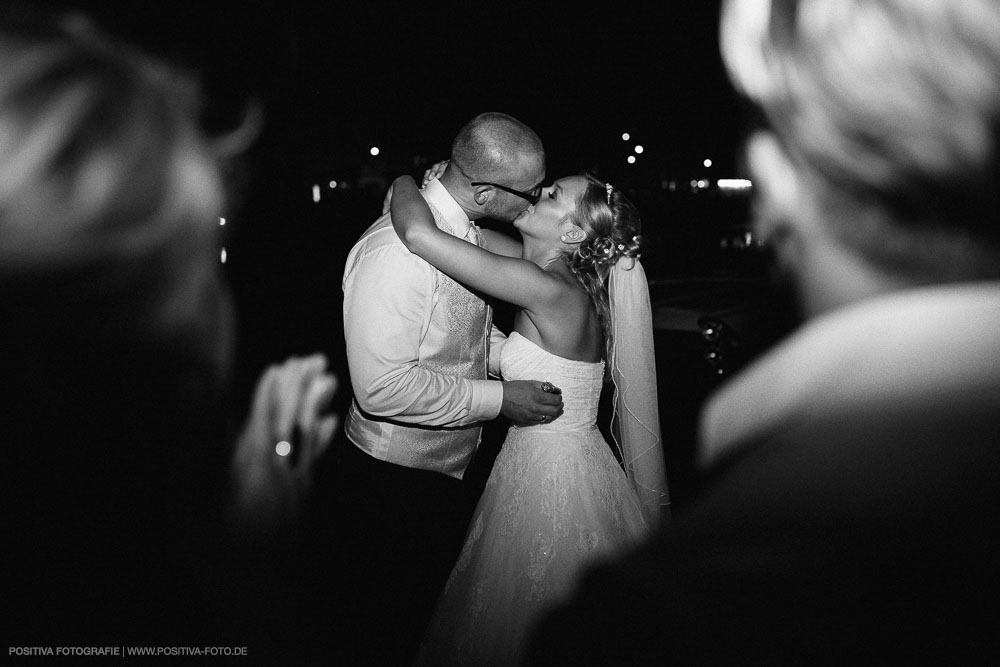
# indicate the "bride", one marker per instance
pixel 557 498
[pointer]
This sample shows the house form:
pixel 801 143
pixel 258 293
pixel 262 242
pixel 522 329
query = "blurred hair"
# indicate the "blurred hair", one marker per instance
pixel 493 147
pixel 890 110
pixel 115 343
pixel 115 324
pixel 110 194
pixel 613 234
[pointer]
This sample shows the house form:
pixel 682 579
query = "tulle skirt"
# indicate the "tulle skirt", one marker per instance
pixel 555 502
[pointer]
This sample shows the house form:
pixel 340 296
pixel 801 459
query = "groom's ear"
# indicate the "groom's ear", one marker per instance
pixel 482 194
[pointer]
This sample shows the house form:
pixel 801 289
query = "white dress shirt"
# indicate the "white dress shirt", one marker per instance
pixel 417 349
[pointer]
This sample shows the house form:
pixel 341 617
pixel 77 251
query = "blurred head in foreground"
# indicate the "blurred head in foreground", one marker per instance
pixel 876 164
pixel 114 322
pixel 109 191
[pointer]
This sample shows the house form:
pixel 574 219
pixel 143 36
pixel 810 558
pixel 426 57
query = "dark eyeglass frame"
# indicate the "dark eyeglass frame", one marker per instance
pixel 532 196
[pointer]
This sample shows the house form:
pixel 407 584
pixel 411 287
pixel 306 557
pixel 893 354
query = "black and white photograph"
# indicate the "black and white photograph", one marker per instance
pixel 501 334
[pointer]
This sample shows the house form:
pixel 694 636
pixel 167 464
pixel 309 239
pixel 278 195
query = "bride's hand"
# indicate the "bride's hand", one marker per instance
pixel 434 172
pixel 431 174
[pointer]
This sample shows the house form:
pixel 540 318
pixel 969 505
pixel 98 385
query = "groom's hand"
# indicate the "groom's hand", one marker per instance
pixel 528 402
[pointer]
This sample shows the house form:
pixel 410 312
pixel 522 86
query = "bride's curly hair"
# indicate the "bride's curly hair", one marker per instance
pixel 613 233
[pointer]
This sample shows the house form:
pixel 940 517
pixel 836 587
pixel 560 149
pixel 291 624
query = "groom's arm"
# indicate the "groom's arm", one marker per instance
pixel 388 294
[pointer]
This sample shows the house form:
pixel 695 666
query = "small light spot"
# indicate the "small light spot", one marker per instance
pixel 222 221
pixel 639 149
pixel 283 448
pixel 626 136
pixel 734 184
pixel 631 159
pixel 374 150
pixel 222 256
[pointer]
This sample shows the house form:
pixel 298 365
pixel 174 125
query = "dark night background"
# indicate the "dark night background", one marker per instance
pixel 335 79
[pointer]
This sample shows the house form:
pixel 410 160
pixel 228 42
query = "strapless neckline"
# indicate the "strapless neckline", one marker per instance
pixel 581 382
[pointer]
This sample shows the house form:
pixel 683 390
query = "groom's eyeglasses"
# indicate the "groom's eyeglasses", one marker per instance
pixel 532 196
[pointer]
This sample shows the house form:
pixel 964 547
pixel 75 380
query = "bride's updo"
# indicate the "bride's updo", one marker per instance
pixel 613 233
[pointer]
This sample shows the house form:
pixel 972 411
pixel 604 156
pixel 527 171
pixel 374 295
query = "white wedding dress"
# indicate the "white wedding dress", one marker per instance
pixel 556 500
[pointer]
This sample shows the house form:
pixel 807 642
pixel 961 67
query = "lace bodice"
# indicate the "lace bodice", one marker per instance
pixel 580 381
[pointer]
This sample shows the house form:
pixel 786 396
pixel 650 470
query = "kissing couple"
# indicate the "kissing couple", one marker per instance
pixel 421 347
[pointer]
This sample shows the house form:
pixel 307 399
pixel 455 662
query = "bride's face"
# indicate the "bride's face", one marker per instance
pixel 558 201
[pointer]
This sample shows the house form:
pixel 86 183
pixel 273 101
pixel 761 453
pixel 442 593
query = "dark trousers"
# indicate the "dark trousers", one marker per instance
pixel 398 532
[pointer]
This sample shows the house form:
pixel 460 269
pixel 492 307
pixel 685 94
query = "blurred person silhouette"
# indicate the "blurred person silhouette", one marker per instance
pixel 132 513
pixel 850 511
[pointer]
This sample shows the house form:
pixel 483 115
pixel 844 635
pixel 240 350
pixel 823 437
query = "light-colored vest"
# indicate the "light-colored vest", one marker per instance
pixel 457 344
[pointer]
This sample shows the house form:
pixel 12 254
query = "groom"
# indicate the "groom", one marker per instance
pixel 418 348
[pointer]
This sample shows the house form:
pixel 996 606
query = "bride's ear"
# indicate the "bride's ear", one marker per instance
pixel 573 234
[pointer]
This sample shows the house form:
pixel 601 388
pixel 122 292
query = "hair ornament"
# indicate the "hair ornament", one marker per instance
pixel 609 188
pixel 621 246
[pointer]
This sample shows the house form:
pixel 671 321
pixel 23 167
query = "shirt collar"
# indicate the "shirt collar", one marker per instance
pixel 439 197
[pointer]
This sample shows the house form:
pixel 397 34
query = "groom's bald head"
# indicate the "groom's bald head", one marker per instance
pixel 496 147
